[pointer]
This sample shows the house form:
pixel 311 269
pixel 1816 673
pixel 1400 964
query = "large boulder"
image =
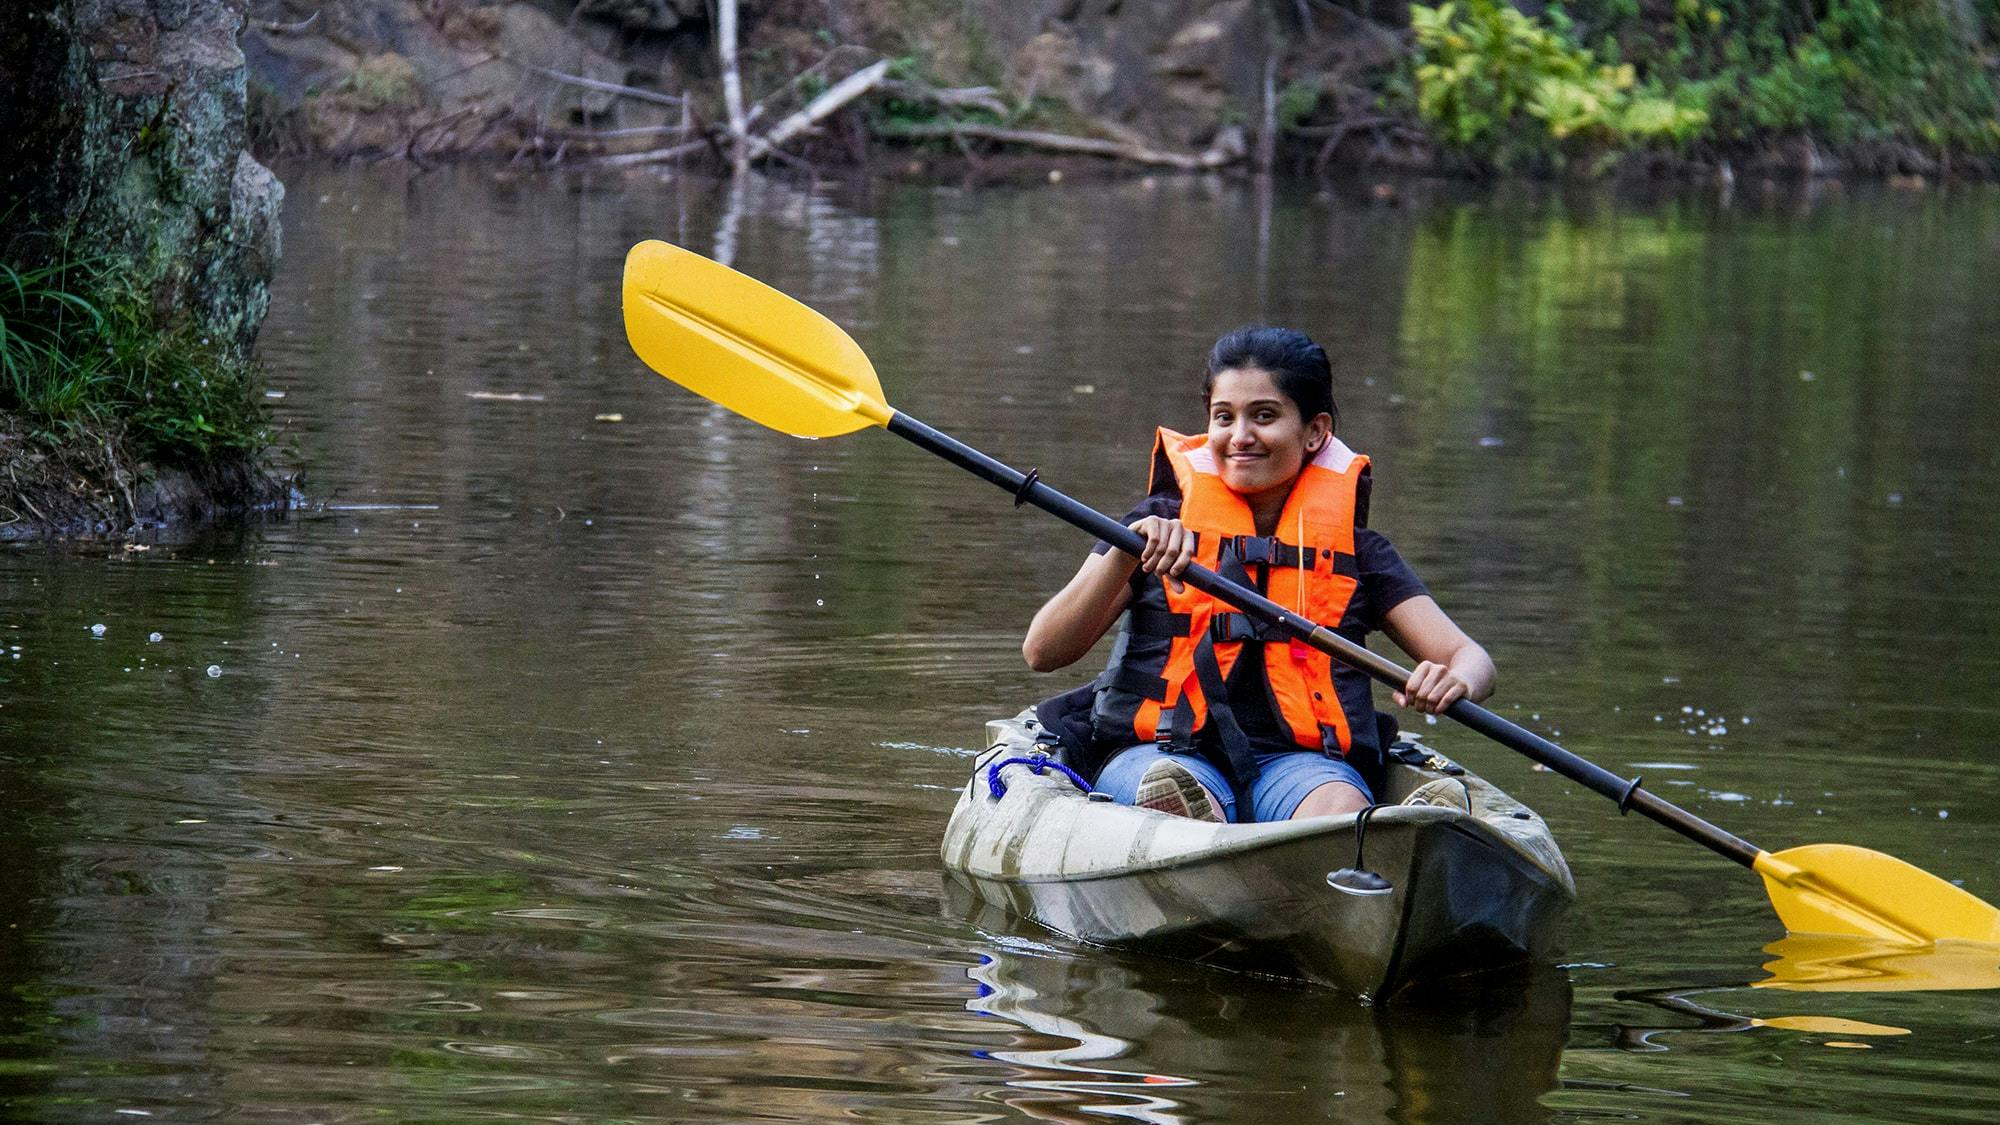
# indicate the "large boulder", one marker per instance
pixel 132 115
pixel 375 74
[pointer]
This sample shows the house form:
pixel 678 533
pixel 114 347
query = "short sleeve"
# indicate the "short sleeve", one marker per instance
pixel 1386 580
pixel 1165 507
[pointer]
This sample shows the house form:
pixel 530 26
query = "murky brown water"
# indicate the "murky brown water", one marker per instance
pixel 567 769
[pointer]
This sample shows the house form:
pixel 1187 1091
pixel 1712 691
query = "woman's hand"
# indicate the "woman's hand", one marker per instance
pixel 1431 688
pixel 1169 548
pixel 1450 665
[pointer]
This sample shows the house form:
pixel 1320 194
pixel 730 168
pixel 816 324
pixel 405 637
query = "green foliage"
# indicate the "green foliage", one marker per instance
pixel 81 354
pixel 1504 87
pixel 1843 71
pixel 1606 75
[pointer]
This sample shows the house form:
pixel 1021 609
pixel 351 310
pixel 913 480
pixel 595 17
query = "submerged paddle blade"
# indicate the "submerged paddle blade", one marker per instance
pixel 1840 889
pixel 741 344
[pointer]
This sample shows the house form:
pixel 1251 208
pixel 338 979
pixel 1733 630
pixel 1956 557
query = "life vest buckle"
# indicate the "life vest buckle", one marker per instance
pixel 1267 550
pixel 1256 550
pixel 1233 628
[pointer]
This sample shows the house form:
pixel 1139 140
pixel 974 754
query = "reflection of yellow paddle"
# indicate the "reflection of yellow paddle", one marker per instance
pixel 1826 963
pixel 1829 1025
pixel 740 343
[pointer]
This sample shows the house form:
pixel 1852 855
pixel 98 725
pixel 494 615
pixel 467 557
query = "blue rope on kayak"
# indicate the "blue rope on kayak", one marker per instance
pixel 1039 763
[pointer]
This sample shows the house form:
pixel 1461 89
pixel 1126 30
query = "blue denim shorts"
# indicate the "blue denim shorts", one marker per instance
pixel 1284 780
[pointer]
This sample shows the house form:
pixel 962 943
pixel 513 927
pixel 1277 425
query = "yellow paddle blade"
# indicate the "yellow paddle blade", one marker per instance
pixel 1840 889
pixel 1841 963
pixel 741 344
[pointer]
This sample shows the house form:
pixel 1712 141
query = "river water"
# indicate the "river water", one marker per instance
pixel 557 767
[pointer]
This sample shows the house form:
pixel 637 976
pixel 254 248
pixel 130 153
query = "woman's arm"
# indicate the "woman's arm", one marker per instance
pixel 1450 665
pixel 1080 613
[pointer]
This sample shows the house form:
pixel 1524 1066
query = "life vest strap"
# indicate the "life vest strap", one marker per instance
pixel 1226 628
pixel 1128 679
pixel 1146 622
pixel 1264 550
pixel 1269 550
pixel 1236 748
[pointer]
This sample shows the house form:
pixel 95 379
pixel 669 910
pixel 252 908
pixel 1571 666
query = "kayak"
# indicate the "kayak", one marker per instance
pixel 1474 882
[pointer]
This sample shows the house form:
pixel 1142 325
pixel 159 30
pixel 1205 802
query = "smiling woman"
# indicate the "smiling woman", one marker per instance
pixel 1201 711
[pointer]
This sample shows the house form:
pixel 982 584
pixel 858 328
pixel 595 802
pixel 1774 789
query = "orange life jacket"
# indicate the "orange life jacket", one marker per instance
pixel 1176 650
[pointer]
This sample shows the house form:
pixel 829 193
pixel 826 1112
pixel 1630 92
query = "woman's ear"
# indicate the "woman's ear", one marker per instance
pixel 1317 431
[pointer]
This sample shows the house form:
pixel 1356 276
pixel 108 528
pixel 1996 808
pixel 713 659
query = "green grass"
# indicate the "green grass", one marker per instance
pixel 82 357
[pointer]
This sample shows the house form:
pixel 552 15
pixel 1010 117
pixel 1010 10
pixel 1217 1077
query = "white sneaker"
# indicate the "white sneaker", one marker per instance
pixel 1169 787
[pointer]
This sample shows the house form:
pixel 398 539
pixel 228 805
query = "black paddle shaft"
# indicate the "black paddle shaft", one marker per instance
pixel 1027 488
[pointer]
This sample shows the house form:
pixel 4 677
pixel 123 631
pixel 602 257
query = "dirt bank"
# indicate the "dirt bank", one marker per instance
pixel 99 489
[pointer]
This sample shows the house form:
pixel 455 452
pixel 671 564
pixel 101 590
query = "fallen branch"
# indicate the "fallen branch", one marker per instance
pixel 652 155
pixel 653 96
pixel 1055 142
pixel 756 113
pixel 276 28
pixel 842 92
pixel 963 97
pixel 615 134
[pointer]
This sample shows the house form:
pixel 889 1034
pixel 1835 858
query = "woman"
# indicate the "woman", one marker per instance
pixel 1207 717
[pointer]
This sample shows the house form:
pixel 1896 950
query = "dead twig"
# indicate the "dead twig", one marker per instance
pixel 1055 142
pixel 276 28
pixel 579 80
pixel 616 134
pixel 653 155
pixel 962 97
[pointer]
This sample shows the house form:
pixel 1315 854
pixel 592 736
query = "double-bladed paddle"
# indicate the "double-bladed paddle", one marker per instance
pixel 740 343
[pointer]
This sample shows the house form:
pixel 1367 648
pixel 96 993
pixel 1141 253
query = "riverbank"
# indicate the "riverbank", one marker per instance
pixel 1467 89
pixel 101 487
pixel 138 239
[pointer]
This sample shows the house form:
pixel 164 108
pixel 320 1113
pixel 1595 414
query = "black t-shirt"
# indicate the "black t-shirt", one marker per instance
pixel 1386 582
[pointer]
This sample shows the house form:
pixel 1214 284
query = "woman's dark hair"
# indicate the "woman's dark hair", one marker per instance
pixel 1289 357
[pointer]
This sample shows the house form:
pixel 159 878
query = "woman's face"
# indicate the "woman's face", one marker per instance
pixel 1259 439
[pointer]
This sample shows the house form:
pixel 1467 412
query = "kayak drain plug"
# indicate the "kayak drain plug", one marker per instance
pixel 1358 880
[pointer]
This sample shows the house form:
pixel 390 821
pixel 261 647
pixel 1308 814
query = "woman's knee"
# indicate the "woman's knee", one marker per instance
pixel 1333 798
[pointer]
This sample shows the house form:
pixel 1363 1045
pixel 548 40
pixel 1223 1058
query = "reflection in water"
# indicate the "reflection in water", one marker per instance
pixel 1007 990
pixel 563 768
pixel 1122 1035
pixel 1825 963
pixel 1709 1019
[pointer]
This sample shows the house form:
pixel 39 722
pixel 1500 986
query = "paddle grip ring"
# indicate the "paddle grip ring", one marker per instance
pixel 1625 801
pixel 1027 485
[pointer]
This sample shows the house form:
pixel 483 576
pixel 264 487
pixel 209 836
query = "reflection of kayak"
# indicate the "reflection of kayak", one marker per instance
pixel 1470 890
pixel 1135 1039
